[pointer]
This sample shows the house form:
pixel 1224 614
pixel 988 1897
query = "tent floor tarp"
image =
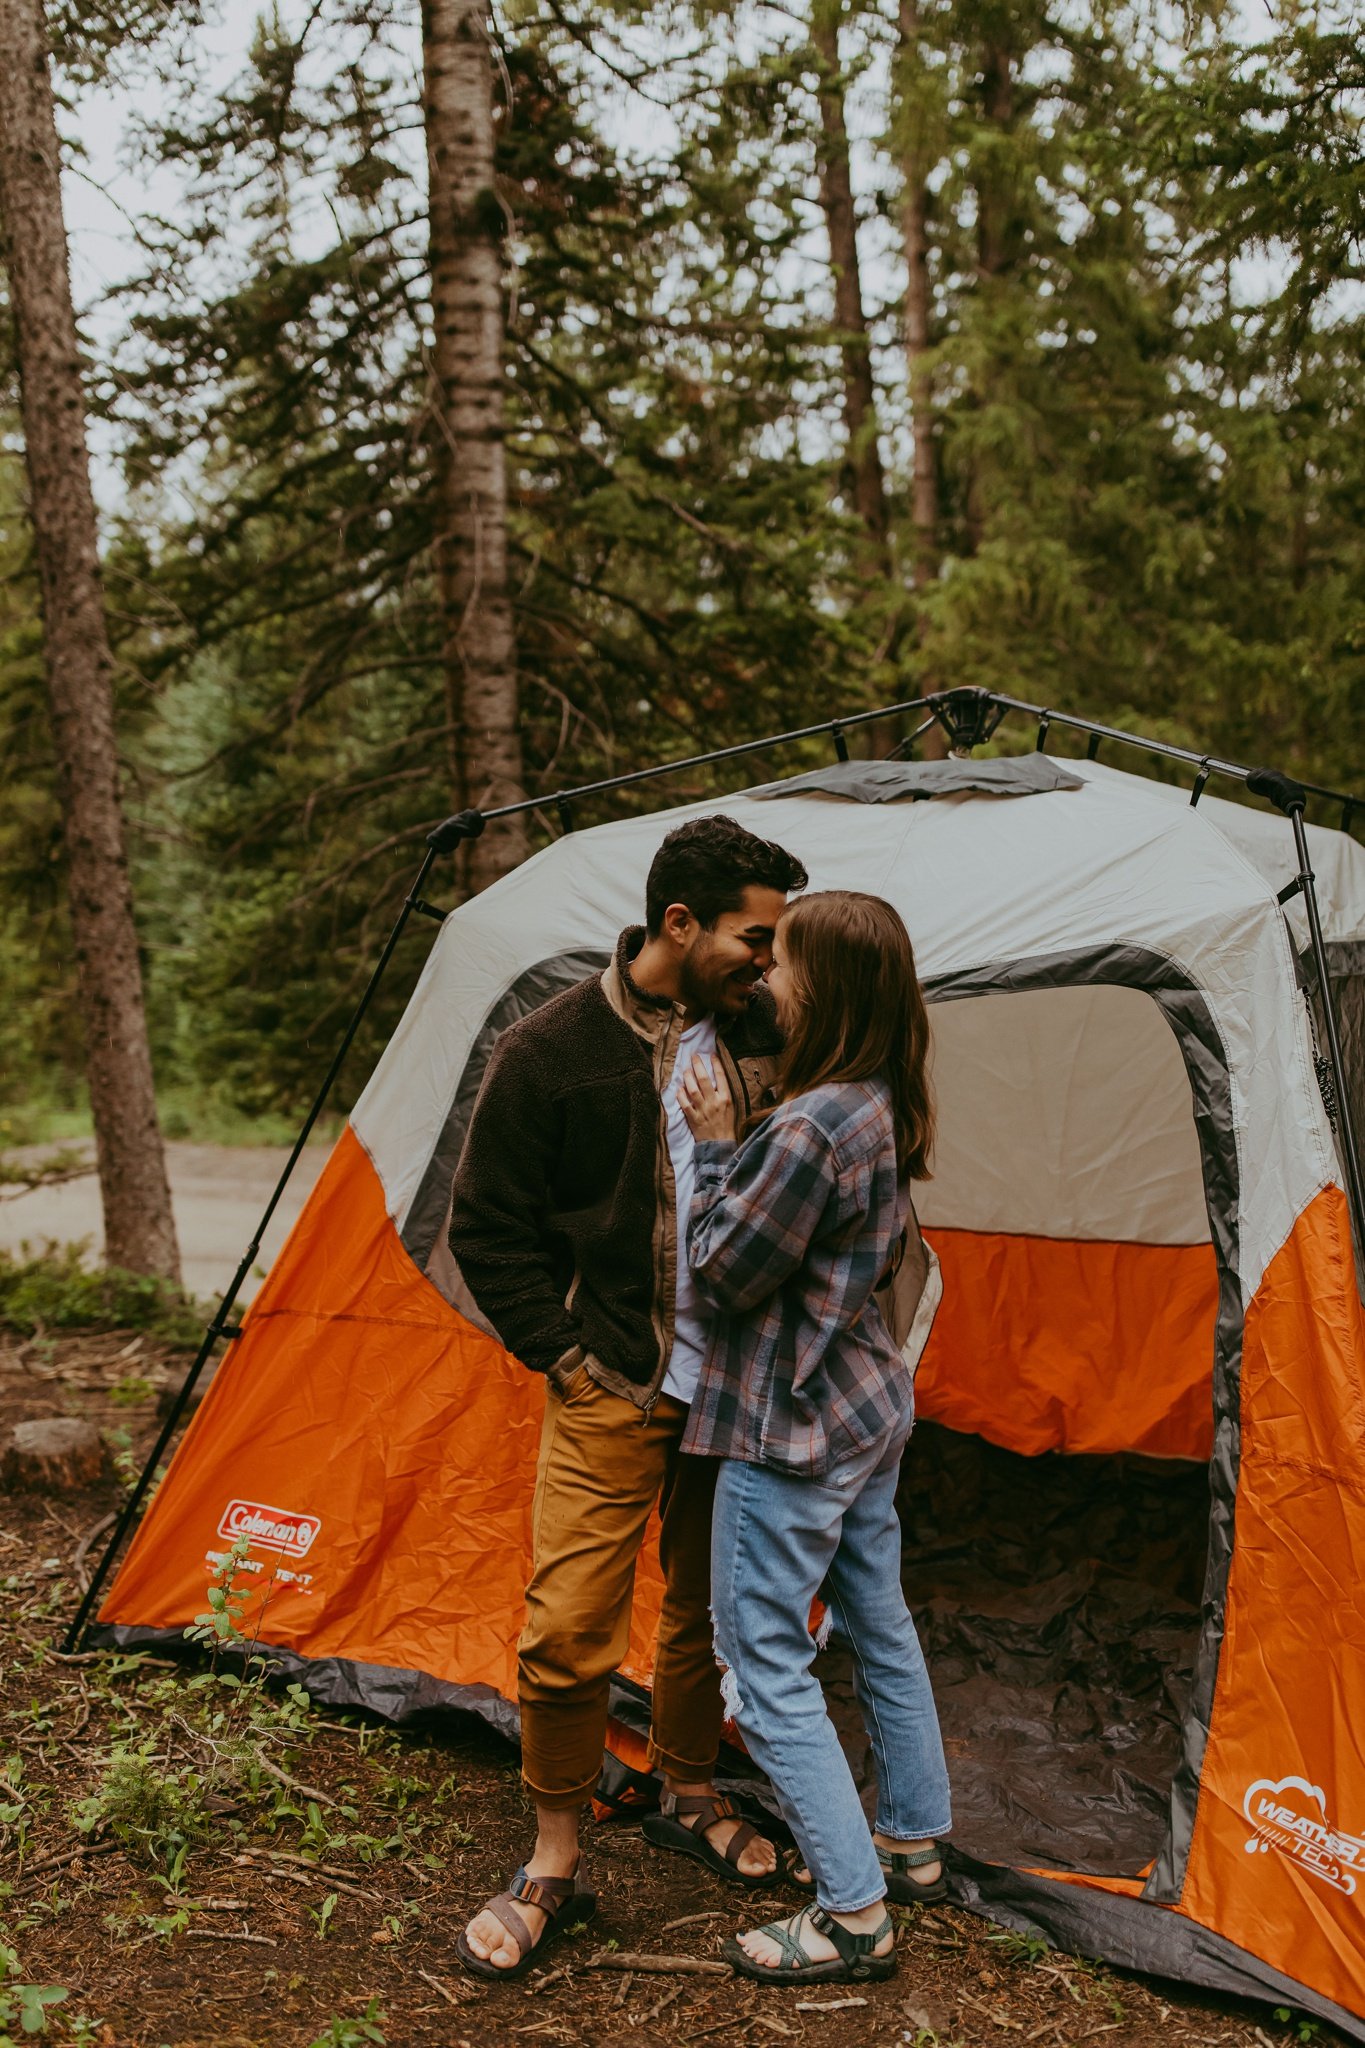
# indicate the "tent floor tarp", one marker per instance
pixel 1058 1602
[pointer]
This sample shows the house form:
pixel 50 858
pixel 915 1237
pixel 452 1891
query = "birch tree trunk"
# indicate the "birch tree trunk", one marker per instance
pixel 468 403
pixel 863 460
pixel 138 1227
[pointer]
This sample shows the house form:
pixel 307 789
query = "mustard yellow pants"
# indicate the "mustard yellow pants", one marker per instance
pixel 603 1464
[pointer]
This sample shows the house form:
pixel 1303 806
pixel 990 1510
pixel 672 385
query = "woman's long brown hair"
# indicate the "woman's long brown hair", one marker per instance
pixel 860 1011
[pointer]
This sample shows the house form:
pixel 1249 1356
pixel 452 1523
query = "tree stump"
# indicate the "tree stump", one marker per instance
pixel 59 1455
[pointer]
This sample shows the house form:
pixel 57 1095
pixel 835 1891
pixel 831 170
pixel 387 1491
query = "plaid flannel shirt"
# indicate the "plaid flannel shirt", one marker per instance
pixel 789 1234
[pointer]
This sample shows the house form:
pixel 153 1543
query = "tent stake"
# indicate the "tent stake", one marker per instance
pixel 222 1325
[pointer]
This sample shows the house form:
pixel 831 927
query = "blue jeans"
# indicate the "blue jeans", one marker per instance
pixel 777 1541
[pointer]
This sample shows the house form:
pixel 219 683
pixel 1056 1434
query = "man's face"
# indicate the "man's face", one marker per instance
pixel 722 967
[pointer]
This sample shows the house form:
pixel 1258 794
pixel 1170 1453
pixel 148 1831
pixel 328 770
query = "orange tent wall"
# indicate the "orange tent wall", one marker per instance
pixel 1291 1675
pixel 1054 1344
pixel 358 1395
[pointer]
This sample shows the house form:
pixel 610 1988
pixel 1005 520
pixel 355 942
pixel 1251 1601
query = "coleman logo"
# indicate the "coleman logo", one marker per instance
pixel 1290 1815
pixel 271 1528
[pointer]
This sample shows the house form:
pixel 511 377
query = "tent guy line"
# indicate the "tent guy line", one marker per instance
pixel 968 716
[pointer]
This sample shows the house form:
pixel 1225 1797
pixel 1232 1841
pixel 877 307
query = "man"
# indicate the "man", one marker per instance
pixel 569 1225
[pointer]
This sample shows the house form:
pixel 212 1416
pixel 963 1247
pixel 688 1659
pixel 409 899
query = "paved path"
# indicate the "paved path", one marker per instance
pixel 218 1193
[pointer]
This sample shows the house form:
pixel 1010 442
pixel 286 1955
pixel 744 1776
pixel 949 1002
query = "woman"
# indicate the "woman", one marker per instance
pixel 809 1401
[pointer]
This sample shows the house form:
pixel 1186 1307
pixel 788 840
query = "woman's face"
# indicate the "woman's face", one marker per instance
pixel 782 985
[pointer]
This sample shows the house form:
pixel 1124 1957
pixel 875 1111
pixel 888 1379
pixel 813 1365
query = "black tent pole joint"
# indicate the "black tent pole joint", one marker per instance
pixel 968 716
pixel 452 832
pixel 1291 798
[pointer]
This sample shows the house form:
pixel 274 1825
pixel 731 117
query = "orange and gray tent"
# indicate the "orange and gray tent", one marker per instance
pixel 1140 1205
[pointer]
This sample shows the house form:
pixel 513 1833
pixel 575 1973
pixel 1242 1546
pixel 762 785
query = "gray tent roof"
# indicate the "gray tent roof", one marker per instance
pixel 889 782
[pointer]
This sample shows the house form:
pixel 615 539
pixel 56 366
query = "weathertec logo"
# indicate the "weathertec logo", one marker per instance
pixel 1290 1815
pixel 270 1528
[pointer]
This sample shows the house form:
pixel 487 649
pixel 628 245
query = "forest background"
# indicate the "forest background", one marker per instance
pixel 840 350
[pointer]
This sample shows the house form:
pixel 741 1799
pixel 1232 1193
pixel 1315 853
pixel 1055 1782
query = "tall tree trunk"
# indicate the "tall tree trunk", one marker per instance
pixel 139 1230
pixel 924 499
pixel 997 222
pixel 924 509
pixel 863 458
pixel 469 399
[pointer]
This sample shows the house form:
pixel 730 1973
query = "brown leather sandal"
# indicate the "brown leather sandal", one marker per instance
pixel 667 1831
pixel 560 1898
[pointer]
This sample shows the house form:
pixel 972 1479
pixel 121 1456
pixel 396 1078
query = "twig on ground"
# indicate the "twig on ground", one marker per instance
pixel 69 1856
pixel 666 1966
pixel 673 1991
pixel 828 2005
pixel 444 1989
pixel 213 1934
pixel 92 1534
pixel 294 1784
pixel 997 2019
pixel 691 1919
pixel 624 1991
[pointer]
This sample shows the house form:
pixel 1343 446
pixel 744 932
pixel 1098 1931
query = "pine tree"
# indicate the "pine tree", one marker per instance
pixel 138 1225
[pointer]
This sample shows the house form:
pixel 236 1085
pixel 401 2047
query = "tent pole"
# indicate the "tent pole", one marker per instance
pixel 1349 1150
pixel 441 841
pixel 1290 797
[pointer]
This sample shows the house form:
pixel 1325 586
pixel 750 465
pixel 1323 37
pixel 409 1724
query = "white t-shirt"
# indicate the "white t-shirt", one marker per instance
pixel 691 1318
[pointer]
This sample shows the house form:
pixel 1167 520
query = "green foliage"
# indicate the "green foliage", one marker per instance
pixel 355 2033
pixel 1024 1949
pixel 219 1627
pixel 56 1291
pixel 154 1811
pixel 27 2006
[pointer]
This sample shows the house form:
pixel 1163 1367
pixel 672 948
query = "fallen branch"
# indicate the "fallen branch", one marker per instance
pixel 659 1966
pixel 91 1535
pixel 691 1919
pixel 673 1991
pixel 307 1868
pixel 294 1784
pixel 447 1994
pixel 212 1934
pixel 996 2019
pixel 830 2004
pixel 69 1856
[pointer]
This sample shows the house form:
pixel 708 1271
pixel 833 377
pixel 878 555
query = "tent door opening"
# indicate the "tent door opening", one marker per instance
pixel 1055 1497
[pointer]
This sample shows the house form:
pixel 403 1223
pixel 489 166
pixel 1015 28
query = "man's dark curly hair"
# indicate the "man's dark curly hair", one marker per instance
pixel 708 864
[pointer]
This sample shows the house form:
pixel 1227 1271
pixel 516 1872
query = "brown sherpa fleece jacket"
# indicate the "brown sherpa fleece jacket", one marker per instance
pixel 563 1222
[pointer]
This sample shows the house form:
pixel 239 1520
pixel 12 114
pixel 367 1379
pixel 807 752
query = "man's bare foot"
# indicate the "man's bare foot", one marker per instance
pixel 756 1859
pixel 757 1943
pixel 556 1854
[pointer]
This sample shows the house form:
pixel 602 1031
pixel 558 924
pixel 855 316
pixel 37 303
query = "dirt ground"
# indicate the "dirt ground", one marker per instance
pixel 201 1865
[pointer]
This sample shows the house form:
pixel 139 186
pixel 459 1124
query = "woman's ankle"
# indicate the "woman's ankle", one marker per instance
pixel 865 1919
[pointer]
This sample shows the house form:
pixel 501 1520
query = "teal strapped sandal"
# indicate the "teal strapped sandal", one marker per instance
pixel 854 1963
pixel 904 1890
pixel 901 1888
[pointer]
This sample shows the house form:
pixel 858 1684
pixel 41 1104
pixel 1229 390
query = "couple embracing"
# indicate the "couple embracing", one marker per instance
pixel 684 1181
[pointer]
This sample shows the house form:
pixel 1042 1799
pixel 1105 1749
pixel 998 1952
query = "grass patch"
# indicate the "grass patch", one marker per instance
pixel 55 1290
